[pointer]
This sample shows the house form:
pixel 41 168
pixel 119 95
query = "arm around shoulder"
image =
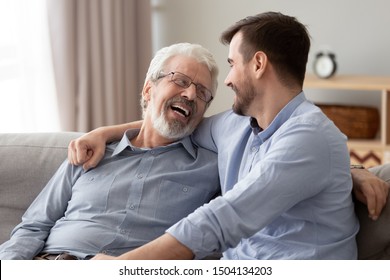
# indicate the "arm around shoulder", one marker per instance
pixel 89 149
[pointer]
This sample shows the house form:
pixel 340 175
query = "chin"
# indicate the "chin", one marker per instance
pixel 238 110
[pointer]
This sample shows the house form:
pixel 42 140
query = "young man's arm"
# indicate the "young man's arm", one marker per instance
pixel 89 149
pixel 166 247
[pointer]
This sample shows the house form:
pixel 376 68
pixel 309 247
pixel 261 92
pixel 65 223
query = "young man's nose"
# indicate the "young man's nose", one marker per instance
pixel 227 81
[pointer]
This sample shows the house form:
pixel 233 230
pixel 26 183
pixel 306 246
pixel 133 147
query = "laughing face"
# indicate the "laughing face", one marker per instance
pixel 175 111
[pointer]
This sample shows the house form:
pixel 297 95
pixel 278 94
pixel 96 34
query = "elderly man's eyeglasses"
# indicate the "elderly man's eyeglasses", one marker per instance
pixel 184 81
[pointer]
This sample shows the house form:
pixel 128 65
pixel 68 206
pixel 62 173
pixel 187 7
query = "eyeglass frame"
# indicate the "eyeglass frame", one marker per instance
pixel 187 85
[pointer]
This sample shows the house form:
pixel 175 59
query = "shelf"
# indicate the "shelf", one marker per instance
pixel 362 83
pixel 349 82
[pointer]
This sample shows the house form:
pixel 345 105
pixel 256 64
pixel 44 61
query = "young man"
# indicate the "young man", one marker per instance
pixel 283 166
pixel 146 182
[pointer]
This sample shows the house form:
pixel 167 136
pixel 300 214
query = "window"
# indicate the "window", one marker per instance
pixel 27 91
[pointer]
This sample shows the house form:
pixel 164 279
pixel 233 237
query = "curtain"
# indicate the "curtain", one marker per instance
pixel 101 50
pixel 27 92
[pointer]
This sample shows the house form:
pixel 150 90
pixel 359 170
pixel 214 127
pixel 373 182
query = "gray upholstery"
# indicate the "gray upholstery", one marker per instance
pixel 28 160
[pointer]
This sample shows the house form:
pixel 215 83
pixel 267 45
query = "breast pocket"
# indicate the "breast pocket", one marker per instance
pixel 177 200
pixel 90 193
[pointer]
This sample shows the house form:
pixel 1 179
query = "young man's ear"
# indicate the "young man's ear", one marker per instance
pixel 260 63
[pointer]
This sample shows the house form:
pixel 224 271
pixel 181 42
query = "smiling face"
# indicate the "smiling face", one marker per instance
pixel 172 110
pixel 239 78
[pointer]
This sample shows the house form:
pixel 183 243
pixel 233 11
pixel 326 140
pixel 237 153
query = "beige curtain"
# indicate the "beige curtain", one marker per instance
pixel 101 50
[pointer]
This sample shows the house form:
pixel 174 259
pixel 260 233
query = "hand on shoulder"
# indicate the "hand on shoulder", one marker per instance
pixel 87 150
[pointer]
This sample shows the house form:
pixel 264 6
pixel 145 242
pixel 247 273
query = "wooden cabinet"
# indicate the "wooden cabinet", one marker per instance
pixel 367 152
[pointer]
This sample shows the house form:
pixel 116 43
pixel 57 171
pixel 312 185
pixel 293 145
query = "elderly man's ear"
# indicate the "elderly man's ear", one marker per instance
pixel 147 91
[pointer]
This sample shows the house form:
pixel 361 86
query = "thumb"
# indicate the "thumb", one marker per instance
pixel 93 158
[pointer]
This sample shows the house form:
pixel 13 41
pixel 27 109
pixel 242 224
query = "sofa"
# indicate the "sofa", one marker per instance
pixel 28 160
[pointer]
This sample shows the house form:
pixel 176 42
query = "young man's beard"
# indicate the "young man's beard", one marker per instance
pixel 244 99
pixel 172 129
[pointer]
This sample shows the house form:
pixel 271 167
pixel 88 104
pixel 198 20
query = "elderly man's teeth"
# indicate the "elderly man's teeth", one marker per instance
pixel 181 110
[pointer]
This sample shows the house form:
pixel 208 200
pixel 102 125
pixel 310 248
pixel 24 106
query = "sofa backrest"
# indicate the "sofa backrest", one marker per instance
pixel 27 162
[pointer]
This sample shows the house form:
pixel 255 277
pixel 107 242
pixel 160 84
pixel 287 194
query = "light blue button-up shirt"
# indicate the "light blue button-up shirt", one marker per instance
pixel 286 189
pixel 131 198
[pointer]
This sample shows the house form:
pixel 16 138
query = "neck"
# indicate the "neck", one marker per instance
pixel 148 137
pixel 273 95
pixel 271 104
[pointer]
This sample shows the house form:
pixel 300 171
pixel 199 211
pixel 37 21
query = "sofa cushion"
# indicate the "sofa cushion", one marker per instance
pixel 373 238
pixel 27 162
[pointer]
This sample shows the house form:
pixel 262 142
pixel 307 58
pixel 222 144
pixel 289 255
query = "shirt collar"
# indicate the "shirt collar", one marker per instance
pixel 279 120
pixel 125 143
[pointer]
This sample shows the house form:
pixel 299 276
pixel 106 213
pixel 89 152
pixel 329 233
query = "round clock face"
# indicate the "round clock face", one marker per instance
pixel 324 66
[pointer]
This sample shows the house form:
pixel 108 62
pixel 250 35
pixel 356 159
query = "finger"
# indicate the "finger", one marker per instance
pixel 377 201
pixel 70 152
pixel 386 190
pixel 94 158
pixel 81 152
pixel 88 164
pixel 382 194
pixel 377 211
pixel 372 206
pixel 69 156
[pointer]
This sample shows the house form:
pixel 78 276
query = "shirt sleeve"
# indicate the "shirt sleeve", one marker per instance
pixel 28 238
pixel 297 165
pixel 209 131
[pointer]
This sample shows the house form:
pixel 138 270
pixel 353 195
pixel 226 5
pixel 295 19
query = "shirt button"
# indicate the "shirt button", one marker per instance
pixel 132 207
pixel 140 176
pixel 254 149
pixel 185 189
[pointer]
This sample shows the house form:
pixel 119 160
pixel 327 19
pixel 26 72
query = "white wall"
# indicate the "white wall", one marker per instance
pixel 357 31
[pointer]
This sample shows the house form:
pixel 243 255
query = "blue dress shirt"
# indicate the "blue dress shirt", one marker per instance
pixel 131 198
pixel 286 189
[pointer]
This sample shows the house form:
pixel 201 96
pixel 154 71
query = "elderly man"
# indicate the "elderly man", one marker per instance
pixel 145 183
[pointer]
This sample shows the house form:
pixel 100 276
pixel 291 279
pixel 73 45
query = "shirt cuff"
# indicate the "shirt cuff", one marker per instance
pixel 190 236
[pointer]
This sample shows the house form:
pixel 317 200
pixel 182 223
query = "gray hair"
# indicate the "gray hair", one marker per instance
pixel 199 53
